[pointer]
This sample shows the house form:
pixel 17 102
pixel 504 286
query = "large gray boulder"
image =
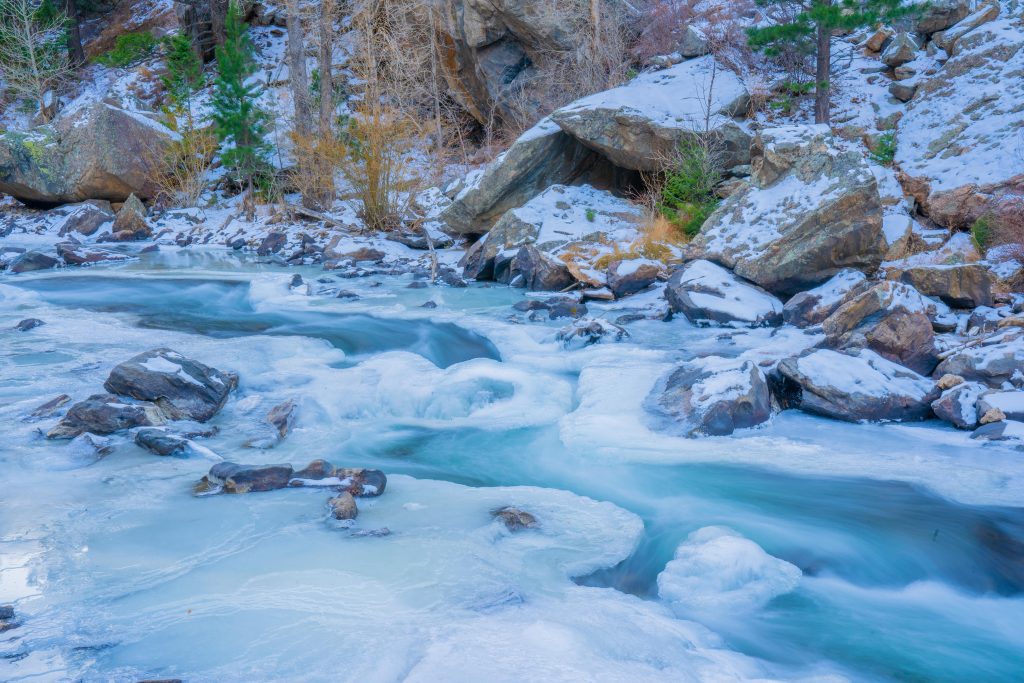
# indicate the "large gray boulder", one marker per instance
pixel 857 385
pixel 958 405
pixel 105 414
pixel 713 397
pixel 813 306
pixel 810 211
pixel 966 285
pixel 709 294
pixel 639 125
pixel 184 389
pixel 938 15
pixel 96 152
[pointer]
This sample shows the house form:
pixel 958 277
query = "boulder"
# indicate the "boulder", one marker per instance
pixel 183 388
pixel 964 285
pixel 876 41
pixel 958 405
pixel 357 481
pixel 229 477
pixel 810 211
pixel 94 152
pixel 713 397
pixel 694 43
pixel 105 414
pixel 1009 403
pixel 948 39
pixel 630 276
pixel 85 218
pixel 160 441
pixel 811 307
pixel 130 222
pixel 538 271
pixel 901 49
pixel 857 385
pixel 282 417
pixel 515 519
pixel 890 319
pixel 589 331
pixel 271 244
pixel 958 138
pixel 559 219
pixel 996 359
pixel 709 294
pixel 543 156
pixel 32 260
pixel 938 15
pixel 80 255
pixel 343 506
pixel 1006 430
pixel 28 324
pixel 640 125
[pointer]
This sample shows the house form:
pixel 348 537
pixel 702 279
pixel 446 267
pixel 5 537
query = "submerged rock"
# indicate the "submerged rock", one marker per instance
pixel 229 477
pixel 858 385
pixel 8 618
pixel 713 397
pixel 281 417
pixel 105 414
pixel 28 324
pixel 81 255
pixel 184 389
pixel 51 406
pixel 515 519
pixel 343 506
pixel 160 441
pixel 709 294
pixel 589 331
pixel 32 260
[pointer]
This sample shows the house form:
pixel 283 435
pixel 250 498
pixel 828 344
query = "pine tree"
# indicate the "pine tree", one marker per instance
pixel 184 70
pixel 239 122
pixel 807 28
pixel 33 54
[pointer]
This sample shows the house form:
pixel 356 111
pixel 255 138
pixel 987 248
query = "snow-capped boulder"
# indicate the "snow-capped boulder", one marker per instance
pixel 889 318
pixel 708 294
pixel 542 156
pixel 959 404
pixel 938 15
pixel 811 307
pixel 555 219
pixel 958 139
pixel 1009 403
pixel 811 211
pixel 79 254
pixel 639 125
pixel 630 276
pixel 858 385
pixel 718 571
pixel 713 397
pixel 694 43
pixel 105 414
pixel 183 388
pixel 85 218
pixel 587 331
pixel 96 152
pixel 964 285
pixel 948 39
pixel 901 49
pixel 996 359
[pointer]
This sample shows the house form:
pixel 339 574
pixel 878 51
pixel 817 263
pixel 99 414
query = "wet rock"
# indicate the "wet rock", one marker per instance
pixel 858 385
pixel 8 618
pixel 130 222
pixel 184 389
pixel 296 281
pixel 357 481
pixel 371 533
pixel 999 431
pixel 538 271
pixel 812 210
pixel 346 294
pixel 958 405
pixel 961 286
pixel 281 417
pixel 417 284
pixel 105 414
pixel 813 306
pixel 317 469
pixel 429 304
pixel 51 406
pixel 236 243
pixel 28 324
pixel 32 260
pixel 713 397
pixel 229 477
pixel 271 244
pixel 89 446
pixel 709 294
pixel 632 276
pixel 566 308
pixel 343 506
pixel 515 519
pixel 589 331
pixel 160 441
pixel 81 255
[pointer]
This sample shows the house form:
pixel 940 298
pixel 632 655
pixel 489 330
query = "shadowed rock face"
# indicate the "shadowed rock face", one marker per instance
pixel 99 152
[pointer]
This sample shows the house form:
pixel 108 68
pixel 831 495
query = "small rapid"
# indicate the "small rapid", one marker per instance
pixel 908 548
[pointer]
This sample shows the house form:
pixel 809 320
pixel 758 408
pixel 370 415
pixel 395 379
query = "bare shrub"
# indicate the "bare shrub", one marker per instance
pixel 317 158
pixel 179 171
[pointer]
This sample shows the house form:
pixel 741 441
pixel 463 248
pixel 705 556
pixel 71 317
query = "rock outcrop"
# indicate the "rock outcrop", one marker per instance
pixel 810 211
pixel 97 152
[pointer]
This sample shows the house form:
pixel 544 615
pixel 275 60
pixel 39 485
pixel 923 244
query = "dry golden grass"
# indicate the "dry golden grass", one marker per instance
pixel 317 157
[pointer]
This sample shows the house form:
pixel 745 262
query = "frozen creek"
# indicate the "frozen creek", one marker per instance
pixel 806 550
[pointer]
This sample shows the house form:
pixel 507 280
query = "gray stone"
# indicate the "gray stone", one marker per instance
pixel 160 441
pixel 105 414
pixel 32 260
pixel 709 294
pixel 958 405
pixel 632 276
pixel 902 49
pixel 961 286
pixel 539 271
pixel 28 324
pixel 938 15
pixel 713 397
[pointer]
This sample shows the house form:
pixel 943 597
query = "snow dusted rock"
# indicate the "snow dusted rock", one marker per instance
pixel 589 331
pixel 718 571
pixel 811 307
pixel 1009 403
pixel 941 14
pixel 810 212
pixel 876 40
pixel 707 293
pixel 96 152
pixel 130 222
pixel 105 414
pixel 32 260
pixel 961 286
pixel 183 388
pixel 958 139
pixel 694 43
pixel 858 385
pixel 898 233
pixel 633 275
pixel 1006 430
pixel 959 404
pixel 713 397
pixel 639 125
pixel 997 359
pixel 230 477
pixel 901 49
pixel 85 218
pixel 948 39
pixel 80 255
pixel 890 319
pixel 542 156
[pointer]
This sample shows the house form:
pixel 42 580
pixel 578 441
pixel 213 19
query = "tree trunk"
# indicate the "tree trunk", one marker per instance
pixel 75 51
pixel 822 74
pixel 298 76
pixel 326 66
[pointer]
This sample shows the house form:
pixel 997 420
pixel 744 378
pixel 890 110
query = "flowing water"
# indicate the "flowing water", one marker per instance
pixel 909 539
